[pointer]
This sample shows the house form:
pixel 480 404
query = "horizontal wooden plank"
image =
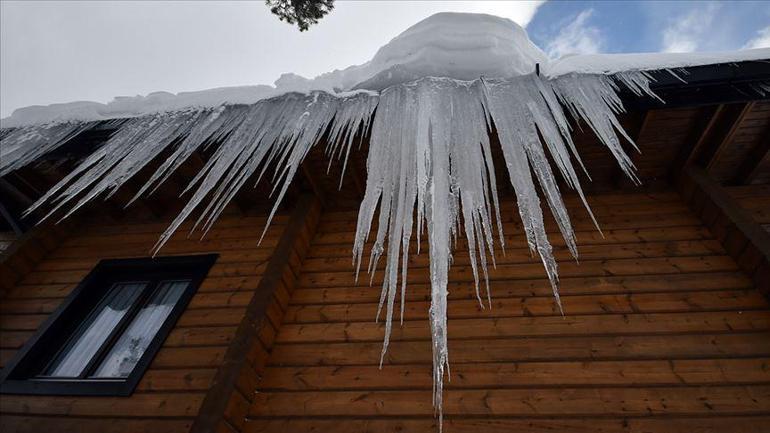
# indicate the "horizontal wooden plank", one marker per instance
pixel 593 237
pixel 14 339
pixel 60 290
pixel 142 249
pixel 211 317
pixel 95 238
pixel 524 255
pixel 220 299
pixel 627 202
pixel 531 402
pixel 344 233
pixel 538 287
pixel 540 306
pixel 187 379
pixel 6 355
pixel 29 306
pixel 22 291
pixel 21 322
pixel 37 424
pixel 521 375
pixel 572 201
pixel 588 268
pixel 251 269
pixel 68 263
pixel 518 327
pixel 137 406
pixel 100 226
pixel 490 424
pixel 580 348
pixel 200 336
pixel 187 357
pixel 335 230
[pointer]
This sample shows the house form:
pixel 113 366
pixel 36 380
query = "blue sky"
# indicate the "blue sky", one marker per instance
pixel 606 26
pixel 61 51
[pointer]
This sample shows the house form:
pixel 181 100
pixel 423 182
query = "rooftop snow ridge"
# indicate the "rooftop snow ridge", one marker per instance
pixel 462 46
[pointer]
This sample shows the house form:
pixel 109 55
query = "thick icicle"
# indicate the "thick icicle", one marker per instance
pixel 429 164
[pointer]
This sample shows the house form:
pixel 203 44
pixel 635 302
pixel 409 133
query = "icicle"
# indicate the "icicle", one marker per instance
pixel 23 145
pixel 278 132
pixel 127 151
pixel 429 151
pixel 429 167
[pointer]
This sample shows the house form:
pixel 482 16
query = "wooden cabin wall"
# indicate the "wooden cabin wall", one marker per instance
pixel 169 395
pixel 755 199
pixel 662 332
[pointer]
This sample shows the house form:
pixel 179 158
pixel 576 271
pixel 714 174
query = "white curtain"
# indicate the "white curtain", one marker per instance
pixel 92 333
pixel 131 345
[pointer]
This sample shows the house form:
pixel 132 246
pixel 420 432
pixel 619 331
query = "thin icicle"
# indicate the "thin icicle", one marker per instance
pixel 23 145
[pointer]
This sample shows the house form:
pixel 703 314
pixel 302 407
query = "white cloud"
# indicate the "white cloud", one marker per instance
pixel 684 33
pixel 761 40
pixel 520 12
pixel 576 37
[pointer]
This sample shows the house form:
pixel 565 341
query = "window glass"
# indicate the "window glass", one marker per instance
pixel 94 331
pixel 130 347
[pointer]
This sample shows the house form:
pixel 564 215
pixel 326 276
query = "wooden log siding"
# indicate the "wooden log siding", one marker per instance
pixel 663 333
pixel 734 226
pixel 19 255
pixel 754 199
pixel 171 393
pixel 233 388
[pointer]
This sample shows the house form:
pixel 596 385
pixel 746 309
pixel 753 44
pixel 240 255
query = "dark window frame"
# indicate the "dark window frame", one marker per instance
pixel 20 376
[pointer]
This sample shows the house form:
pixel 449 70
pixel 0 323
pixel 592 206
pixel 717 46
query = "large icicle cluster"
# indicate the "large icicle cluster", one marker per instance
pixel 429 167
pixel 22 146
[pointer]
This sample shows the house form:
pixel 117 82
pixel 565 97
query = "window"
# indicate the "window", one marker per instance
pixel 103 337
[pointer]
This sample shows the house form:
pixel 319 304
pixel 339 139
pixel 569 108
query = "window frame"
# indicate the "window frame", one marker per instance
pixel 21 374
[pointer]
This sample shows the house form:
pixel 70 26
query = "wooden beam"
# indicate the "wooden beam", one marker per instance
pixel 751 166
pixel 743 238
pixel 708 142
pixel 226 404
pixel 687 153
pixel 11 220
pixel 314 183
pixel 728 125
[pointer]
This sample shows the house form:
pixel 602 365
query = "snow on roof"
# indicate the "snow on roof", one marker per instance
pixel 622 62
pixel 454 45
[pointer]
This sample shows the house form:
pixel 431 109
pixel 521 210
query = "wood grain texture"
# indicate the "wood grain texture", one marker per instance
pixel 662 333
pixel 227 401
pixel 171 392
pixel 736 227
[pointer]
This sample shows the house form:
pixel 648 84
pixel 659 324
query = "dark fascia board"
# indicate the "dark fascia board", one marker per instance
pixel 704 85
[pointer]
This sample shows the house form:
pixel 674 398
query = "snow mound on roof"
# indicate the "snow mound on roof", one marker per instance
pixel 454 45
pixel 462 46
pixel 448 44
